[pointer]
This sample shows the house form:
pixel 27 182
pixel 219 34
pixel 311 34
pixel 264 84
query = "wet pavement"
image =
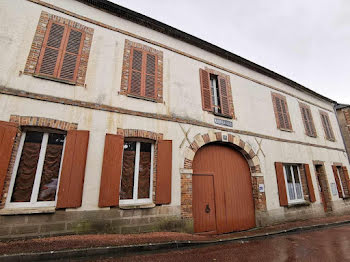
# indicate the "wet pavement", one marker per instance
pixel 330 244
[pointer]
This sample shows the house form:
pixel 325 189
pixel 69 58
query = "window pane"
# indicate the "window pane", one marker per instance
pixel 51 168
pixel 290 184
pixel 127 182
pixel 144 170
pixel 298 187
pixel 25 176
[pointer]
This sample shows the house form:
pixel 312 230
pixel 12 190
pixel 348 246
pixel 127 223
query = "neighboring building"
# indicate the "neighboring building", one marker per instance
pixel 343 114
pixel 114 122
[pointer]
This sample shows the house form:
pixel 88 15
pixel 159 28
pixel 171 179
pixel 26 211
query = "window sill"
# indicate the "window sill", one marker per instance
pixel 54 79
pixel 136 206
pixel 221 115
pixel 142 97
pixel 24 211
pixel 286 130
pixel 299 204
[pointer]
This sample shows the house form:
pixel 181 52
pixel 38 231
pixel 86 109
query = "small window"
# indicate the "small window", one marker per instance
pixel 137 173
pixel 216 93
pixel 341 180
pixel 281 112
pixel 327 126
pixel 36 171
pixel 61 51
pixel 293 183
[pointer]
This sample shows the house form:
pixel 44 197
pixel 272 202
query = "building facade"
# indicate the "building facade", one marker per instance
pixel 114 122
pixel 343 115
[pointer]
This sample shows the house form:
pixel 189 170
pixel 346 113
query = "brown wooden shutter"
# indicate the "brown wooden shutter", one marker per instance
pixel 73 169
pixel 309 183
pixel 164 168
pixel 285 113
pixel 278 112
pixel 311 122
pixel 225 108
pixel 327 126
pixel 337 181
pixel 205 90
pixel 136 72
pixel 71 55
pixel 306 121
pixel 347 178
pixel 51 51
pixel 8 133
pixel 282 193
pixel 150 76
pixel 111 171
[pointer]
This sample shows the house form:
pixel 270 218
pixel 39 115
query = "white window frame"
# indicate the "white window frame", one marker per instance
pixel 213 85
pixel 297 200
pixel 135 200
pixel 33 203
pixel 340 181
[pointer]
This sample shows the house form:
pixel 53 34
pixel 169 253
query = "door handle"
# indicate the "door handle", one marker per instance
pixel 207 209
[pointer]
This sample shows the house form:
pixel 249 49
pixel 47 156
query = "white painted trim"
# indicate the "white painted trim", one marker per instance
pixel 59 172
pixel 340 181
pixel 296 200
pixel 39 169
pixel 15 168
pixel 36 185
pixel 135 200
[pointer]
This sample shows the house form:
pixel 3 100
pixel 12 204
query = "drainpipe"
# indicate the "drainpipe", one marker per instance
pixel 341 133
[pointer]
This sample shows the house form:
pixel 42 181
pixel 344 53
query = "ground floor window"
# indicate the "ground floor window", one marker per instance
pixel 293 183
pixel 37 168
pixel 340 175
pixel 137 172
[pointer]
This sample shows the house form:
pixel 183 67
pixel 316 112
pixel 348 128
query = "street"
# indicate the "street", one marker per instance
pixel 331 244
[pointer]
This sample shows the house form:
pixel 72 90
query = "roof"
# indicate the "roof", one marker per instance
pixel 151 23
pixel 340 106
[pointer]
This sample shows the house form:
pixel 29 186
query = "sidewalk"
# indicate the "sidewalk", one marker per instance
pixel 89 245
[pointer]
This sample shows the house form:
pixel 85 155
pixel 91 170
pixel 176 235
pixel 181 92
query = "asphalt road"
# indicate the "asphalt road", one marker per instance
pixel 331 244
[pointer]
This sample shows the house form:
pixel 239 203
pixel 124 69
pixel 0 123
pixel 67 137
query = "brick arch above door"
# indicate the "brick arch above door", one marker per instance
pixel 236 143
pixel 211 137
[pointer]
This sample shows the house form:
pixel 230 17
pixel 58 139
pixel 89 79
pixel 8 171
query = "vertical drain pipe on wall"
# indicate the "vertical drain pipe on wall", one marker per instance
pixel 341 133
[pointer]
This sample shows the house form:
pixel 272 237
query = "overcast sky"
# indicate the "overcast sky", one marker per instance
pixel 307 41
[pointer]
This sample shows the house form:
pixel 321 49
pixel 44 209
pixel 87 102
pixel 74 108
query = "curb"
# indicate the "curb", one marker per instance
pixel 129 249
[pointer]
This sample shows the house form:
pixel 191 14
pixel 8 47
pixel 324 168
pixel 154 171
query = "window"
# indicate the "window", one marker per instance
pixel 137 173
pixel 342 181
pixel 327 126
pixel 142 72
pixel 216 93
pixel 60 53
pixel 281 112
pixel 293 183
pixel 37 168
pixel 307 120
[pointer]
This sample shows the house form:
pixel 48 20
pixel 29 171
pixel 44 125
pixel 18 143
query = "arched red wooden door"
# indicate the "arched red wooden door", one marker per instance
pixel 222 190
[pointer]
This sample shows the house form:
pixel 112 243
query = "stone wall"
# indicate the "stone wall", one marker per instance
pixel 115 220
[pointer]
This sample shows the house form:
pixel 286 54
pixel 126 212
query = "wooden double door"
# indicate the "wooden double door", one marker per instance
pixel 222 191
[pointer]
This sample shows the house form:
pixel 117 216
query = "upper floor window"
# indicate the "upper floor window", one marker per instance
pixel 327 126
pixel 293 183
pixel 60 53
pixel 281 112
pixel 216 93
pixel 142 75
pixel 60 50
pixel 37 168
pixel 137 173
pixel 307 120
